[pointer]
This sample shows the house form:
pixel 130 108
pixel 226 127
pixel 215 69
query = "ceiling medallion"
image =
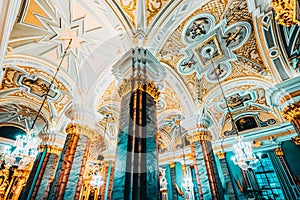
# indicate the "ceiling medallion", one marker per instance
pixel 208 42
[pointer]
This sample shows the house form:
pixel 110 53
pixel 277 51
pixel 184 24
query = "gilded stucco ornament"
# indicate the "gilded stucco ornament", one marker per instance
pixel 82 129
pixel 296 140
pixel 145 85
pixel 291 112
pixel 211 45
pixel 50 149
pixel 287 11
pixel 221 154
pixel 279 152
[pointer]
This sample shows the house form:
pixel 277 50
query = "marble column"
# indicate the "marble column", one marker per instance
pixel 68 179
pixel 210 182
pixel 289 187
pixel 42 173
pixel 225 170
pixel 136 167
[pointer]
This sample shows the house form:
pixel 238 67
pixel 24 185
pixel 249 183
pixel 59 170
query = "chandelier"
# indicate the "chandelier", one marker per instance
pixel 97 181
pixel 24 150
pixel 22 153
pixel 244 156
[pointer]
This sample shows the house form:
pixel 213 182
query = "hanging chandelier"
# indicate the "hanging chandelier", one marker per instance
pixel 244 156
pixel 24 149
pixel 97 181
pixel 22 153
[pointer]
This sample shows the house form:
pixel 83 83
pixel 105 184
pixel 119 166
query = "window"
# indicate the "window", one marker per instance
pixel 267 179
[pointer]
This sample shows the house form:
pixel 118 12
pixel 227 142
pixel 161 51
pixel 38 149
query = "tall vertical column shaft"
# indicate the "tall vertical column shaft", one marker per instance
pixel 136 171
pixel 204 157
pixel 41 175
pixel 68 180
pixel 289 187
pixel 225 170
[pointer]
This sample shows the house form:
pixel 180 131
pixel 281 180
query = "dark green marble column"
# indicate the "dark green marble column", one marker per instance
pixel 289 187
pixel 225 170
pixel 136 167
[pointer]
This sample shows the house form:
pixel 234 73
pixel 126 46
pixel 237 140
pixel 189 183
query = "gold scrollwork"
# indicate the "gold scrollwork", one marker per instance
pixel 50 149
pixel 287 11
pixel 296 140
pixel 279 152
pixel 153 7
pixel 84 130
pixel 129 7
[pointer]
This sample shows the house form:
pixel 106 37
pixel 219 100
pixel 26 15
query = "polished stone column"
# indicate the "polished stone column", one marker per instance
pixel 289 187
pixel 42 173
pixel 68 179
pixel 108 177
pixel 225 170
pixel 209 177
pixel 136 167
pixel 204 157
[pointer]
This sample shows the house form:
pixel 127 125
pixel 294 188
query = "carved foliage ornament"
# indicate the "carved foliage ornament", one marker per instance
pixel 147 86
pixel 291 112
pixel 288 12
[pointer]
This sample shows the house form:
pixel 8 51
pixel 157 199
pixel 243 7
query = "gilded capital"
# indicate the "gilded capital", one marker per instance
pixel 82 129
pixel 172 164
pixel 199 136
pixel 50 149
pixel 141 83
pixel 287 12
pixel 291 112
pixel 221 155
pixel 296 140
pixel 279 152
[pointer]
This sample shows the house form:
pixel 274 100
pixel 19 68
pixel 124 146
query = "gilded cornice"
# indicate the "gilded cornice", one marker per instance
pixel 139 84
pixel 199 136
pixel 291 112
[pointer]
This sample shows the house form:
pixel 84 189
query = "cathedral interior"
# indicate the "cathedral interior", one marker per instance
pixel 150 99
